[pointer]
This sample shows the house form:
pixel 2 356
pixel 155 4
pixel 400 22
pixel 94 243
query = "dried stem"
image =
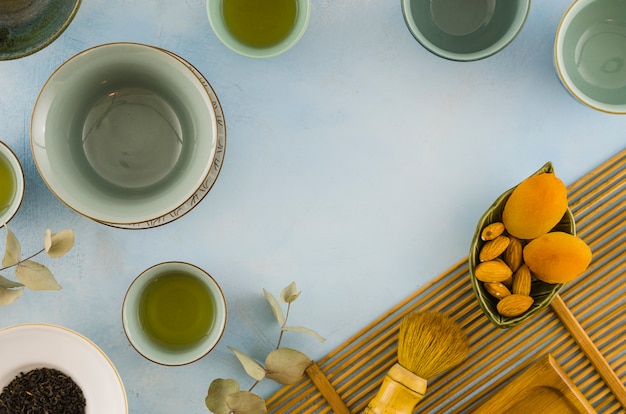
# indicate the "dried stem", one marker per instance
pixel 280 336
pixel 23 260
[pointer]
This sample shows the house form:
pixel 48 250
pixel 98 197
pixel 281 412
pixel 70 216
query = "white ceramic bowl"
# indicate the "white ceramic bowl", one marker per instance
pixel 30 346
pixel 590 53
pixel 10 165
pixel 124 133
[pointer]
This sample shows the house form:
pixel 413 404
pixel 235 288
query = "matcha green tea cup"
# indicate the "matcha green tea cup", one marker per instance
pixel 259 29
pixel 174 313
pixel 465 30
pixel 11 184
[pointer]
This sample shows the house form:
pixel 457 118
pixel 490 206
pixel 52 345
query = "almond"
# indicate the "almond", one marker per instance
pixel 497 290
pixel 508 282
pixel 522 280
pixel 491 231
pixel 513 253
pixel 494 248
pixel 514 305
pixel 492 271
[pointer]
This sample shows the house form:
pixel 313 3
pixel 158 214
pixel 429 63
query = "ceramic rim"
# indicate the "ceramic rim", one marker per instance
pixel 205 183
pixel 210 178
pixel 461 57
pixel 200 355
pixel 20 182
pixel 560 70
pixel 48 40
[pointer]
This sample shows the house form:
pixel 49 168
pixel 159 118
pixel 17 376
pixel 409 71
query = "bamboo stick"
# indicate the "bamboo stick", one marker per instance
pixel 590 349
pixel 325 387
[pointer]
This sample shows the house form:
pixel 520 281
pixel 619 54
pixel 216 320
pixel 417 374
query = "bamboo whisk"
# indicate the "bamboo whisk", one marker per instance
pixel 429 343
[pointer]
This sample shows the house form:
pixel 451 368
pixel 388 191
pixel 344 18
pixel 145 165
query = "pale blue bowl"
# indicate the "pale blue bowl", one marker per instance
pixel 465 30
pixel 124 133
pixel 590 53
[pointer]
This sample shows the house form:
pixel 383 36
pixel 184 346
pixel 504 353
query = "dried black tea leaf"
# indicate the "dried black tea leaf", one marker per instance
pixel 42 390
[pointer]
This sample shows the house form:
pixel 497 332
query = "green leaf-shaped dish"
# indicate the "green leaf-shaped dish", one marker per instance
pixel 541 292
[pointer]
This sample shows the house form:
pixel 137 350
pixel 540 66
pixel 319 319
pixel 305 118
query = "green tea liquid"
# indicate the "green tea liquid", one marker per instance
pixel 7 185
pixel 260 23
pixel 176 310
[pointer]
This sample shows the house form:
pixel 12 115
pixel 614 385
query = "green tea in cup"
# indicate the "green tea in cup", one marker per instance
pixel 260 23
pixel 11 184
pixel 176 310
pixel 7 185
pixel 259 28
pixel 174 313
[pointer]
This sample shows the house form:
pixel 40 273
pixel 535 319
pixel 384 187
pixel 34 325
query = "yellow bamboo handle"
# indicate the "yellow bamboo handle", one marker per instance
pixel 399 393
pixel 590 349
pixel 326 389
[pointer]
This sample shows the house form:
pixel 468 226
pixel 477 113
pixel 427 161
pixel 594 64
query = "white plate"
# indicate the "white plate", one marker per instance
pixel 30 346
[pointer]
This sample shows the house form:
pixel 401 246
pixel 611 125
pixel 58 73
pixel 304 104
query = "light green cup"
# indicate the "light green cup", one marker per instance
pixel 180 313
pixel 465 30
pixel 124 133
pixel 590 53
pixel 11 182
pixel 221 30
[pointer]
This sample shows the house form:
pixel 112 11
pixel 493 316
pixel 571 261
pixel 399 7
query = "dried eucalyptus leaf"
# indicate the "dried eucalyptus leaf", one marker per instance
pixel 13 251
pixel 58 244
pixel 252 368
pixel 9 295
pixel 216 396
pixel 246 402
pixel 36 276
pixel 278 311
pixel 307 331
pixel 290 293
pixel 8 283
pixel 286 366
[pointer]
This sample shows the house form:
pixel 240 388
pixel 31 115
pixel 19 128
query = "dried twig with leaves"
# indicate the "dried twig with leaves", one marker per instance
pixel 29 273
pixel 283 365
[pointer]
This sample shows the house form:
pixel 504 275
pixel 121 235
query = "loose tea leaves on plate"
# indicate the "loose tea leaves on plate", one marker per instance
pixel 42 390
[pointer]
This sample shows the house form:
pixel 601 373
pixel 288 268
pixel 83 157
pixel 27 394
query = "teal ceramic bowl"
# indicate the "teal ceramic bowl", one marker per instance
pixel 124 133
pixel 590 53
pixel 134 304
pixel 11 183
pixel 465 30
pixel 227 32
pixel 27 26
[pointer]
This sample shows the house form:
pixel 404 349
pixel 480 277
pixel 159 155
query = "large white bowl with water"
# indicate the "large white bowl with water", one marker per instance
pixel 123 133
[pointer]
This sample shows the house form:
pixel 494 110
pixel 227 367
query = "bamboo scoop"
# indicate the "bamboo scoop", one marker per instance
pixel 429 343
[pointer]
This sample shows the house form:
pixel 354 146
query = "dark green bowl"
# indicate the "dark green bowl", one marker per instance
pixel 27 26
pixel 541 292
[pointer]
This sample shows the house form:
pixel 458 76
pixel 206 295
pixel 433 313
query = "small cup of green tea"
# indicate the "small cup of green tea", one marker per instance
pixel 11 184
pixel 174 313
pixel 259 29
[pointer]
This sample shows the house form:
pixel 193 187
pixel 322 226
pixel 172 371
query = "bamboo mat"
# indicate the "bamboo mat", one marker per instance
pixel 594 356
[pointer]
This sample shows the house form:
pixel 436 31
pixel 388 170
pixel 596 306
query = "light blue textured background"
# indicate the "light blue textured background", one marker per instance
pixel 357 165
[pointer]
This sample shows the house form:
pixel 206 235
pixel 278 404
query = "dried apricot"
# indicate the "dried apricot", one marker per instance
pixel 557 257
pixel 535 206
